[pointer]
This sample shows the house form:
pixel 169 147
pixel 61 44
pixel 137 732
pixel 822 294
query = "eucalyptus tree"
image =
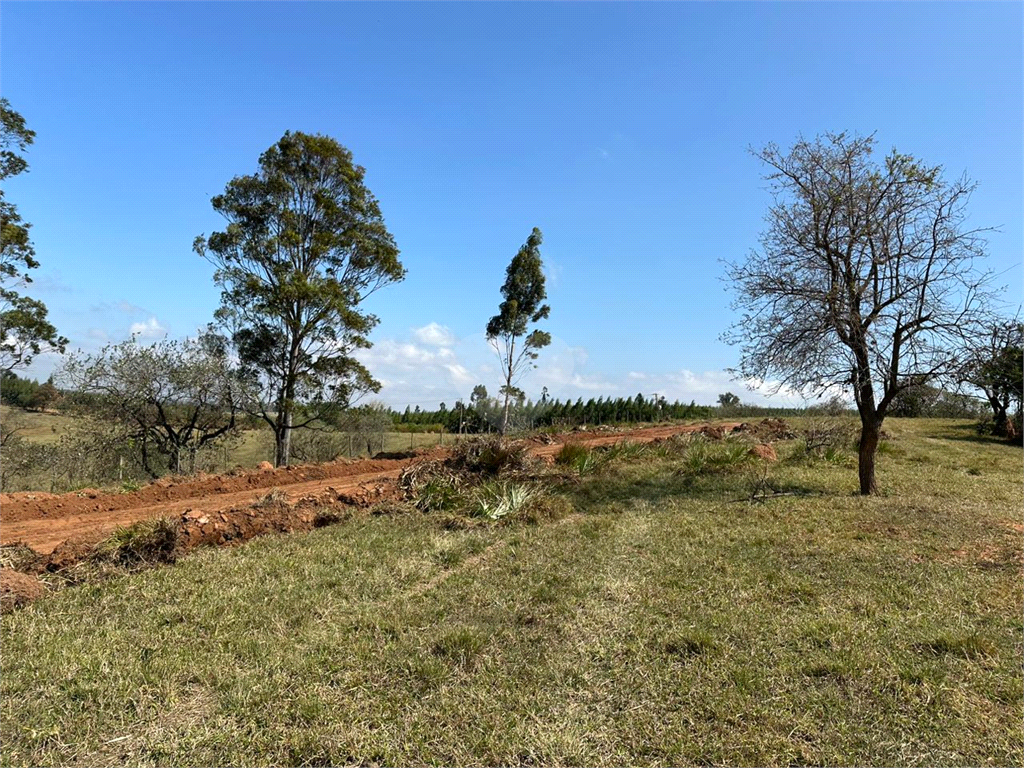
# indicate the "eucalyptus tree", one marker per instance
pixel 305 244
pixel 523 294
pixel 866 278
pixel 25 330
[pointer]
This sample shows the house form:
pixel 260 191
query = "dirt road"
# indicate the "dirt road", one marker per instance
pixel 44 521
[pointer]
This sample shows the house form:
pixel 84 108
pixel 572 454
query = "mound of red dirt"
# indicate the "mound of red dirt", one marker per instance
pixel 17 589
pixel 764 451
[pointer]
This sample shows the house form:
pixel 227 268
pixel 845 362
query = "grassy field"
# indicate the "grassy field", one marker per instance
pixel 667 621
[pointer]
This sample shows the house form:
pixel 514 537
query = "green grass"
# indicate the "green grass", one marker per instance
pixel 667 622
pixel 39 427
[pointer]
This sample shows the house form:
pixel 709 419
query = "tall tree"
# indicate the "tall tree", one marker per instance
pixel 25 330
pixel 866 278
pixel 304 246
pixel 523 294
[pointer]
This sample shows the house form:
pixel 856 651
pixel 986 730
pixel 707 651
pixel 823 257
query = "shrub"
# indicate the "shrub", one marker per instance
pixel 578 457
pixel 542 508
pixel 625 451
pixel 489 456
pixel 826 438
pixel 495 500
pixel 318 446
pixel 149 542
pixel 275 497
pixel 701 456
pixel 439 494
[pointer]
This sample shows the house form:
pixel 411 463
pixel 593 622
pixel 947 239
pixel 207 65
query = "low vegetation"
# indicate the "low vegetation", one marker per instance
pixel 645 613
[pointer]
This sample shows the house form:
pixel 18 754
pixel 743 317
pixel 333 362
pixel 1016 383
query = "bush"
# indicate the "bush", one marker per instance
pixel 147 543
pixel 625 451
pixel 495 500
pixel 439 494
pixel 318 446
pixel 542 508
pixel 578 457
pixel 700 456
pixel 489 456
pixel 827 438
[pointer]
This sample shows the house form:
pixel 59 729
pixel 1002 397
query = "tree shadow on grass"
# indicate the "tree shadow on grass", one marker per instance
pixel 669 486
pixel 968 433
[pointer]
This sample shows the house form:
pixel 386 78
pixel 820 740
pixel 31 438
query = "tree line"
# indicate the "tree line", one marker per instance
pixel 484 414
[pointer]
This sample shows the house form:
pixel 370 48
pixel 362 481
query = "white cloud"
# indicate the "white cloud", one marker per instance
pixel 150 329
pixel 434 335
pixel 460 373
pixel 423 371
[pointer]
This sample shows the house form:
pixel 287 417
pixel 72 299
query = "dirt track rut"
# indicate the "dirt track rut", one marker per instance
pixel 44 521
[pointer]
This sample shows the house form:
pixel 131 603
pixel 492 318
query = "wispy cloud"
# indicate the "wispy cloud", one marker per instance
pixel 149 329
pixel 435 335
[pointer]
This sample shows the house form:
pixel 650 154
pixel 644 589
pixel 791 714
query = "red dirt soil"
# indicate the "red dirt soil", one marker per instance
pixel 46 521
pixel 17 589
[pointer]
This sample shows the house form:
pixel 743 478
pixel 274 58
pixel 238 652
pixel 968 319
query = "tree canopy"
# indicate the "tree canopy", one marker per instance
pixel 25 330
pixel 996 367
pixel 304 246
pixel 171 398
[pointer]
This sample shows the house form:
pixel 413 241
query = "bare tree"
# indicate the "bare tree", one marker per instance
pixel 865 280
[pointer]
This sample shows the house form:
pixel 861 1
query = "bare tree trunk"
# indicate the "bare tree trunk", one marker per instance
pixel 999 416
pixel 286 437
pixel 504 416
pixel 869 435
pixel 284 416
pixel 280 449
pixel 508 384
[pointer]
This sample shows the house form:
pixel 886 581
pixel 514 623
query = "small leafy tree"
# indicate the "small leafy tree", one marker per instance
pixel 171 398
pixel 45 397
pixel 728 400
pixel 304 246
pixel 25 330
pixel 996 367
pixel 865 279
pixel 523 294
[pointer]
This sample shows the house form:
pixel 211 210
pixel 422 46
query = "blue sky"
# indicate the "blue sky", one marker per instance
pixel 622 131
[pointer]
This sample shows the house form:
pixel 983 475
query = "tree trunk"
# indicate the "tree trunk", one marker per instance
pixel 870 431
pixel 286 438
pixel 280 445
pixel 999 418
pixel 504 416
